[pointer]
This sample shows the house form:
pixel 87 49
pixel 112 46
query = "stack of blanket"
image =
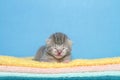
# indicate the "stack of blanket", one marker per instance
pixel 13 68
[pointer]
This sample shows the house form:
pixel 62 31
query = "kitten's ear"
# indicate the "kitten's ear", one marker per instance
pixel 69 42
pixel 48 41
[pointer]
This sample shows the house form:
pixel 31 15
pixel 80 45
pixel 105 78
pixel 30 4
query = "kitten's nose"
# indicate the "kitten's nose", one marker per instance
pixel 59 52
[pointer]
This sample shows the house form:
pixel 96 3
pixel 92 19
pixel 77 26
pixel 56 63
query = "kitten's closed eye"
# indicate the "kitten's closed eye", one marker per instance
pixel 58 49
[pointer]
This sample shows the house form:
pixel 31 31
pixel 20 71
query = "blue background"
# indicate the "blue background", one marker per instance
pixel 92 25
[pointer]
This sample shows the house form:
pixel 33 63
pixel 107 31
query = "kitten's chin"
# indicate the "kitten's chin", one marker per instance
pixel 58 57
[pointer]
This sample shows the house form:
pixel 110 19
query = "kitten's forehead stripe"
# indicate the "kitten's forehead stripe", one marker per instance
pixel 59 38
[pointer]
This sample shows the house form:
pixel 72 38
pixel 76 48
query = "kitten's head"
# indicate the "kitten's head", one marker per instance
pixel 58 45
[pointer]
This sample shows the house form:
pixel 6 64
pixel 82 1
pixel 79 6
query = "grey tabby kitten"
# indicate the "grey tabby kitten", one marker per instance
pixel 57 49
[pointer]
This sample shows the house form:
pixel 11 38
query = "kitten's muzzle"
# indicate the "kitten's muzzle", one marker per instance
pixel 59 52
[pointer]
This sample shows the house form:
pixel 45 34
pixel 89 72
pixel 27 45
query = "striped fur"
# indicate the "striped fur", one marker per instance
pixel 57 49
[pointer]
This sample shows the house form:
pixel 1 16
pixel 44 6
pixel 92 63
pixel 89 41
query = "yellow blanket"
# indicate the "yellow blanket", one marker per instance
pixel 28 62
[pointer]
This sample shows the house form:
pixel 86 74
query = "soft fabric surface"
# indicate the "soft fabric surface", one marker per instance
pixel 113 67
pixel 28 62
pixel 112 75
pixel 13 68
pixel 85 74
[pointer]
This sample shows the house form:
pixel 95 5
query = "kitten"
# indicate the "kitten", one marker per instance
pixel 57 49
